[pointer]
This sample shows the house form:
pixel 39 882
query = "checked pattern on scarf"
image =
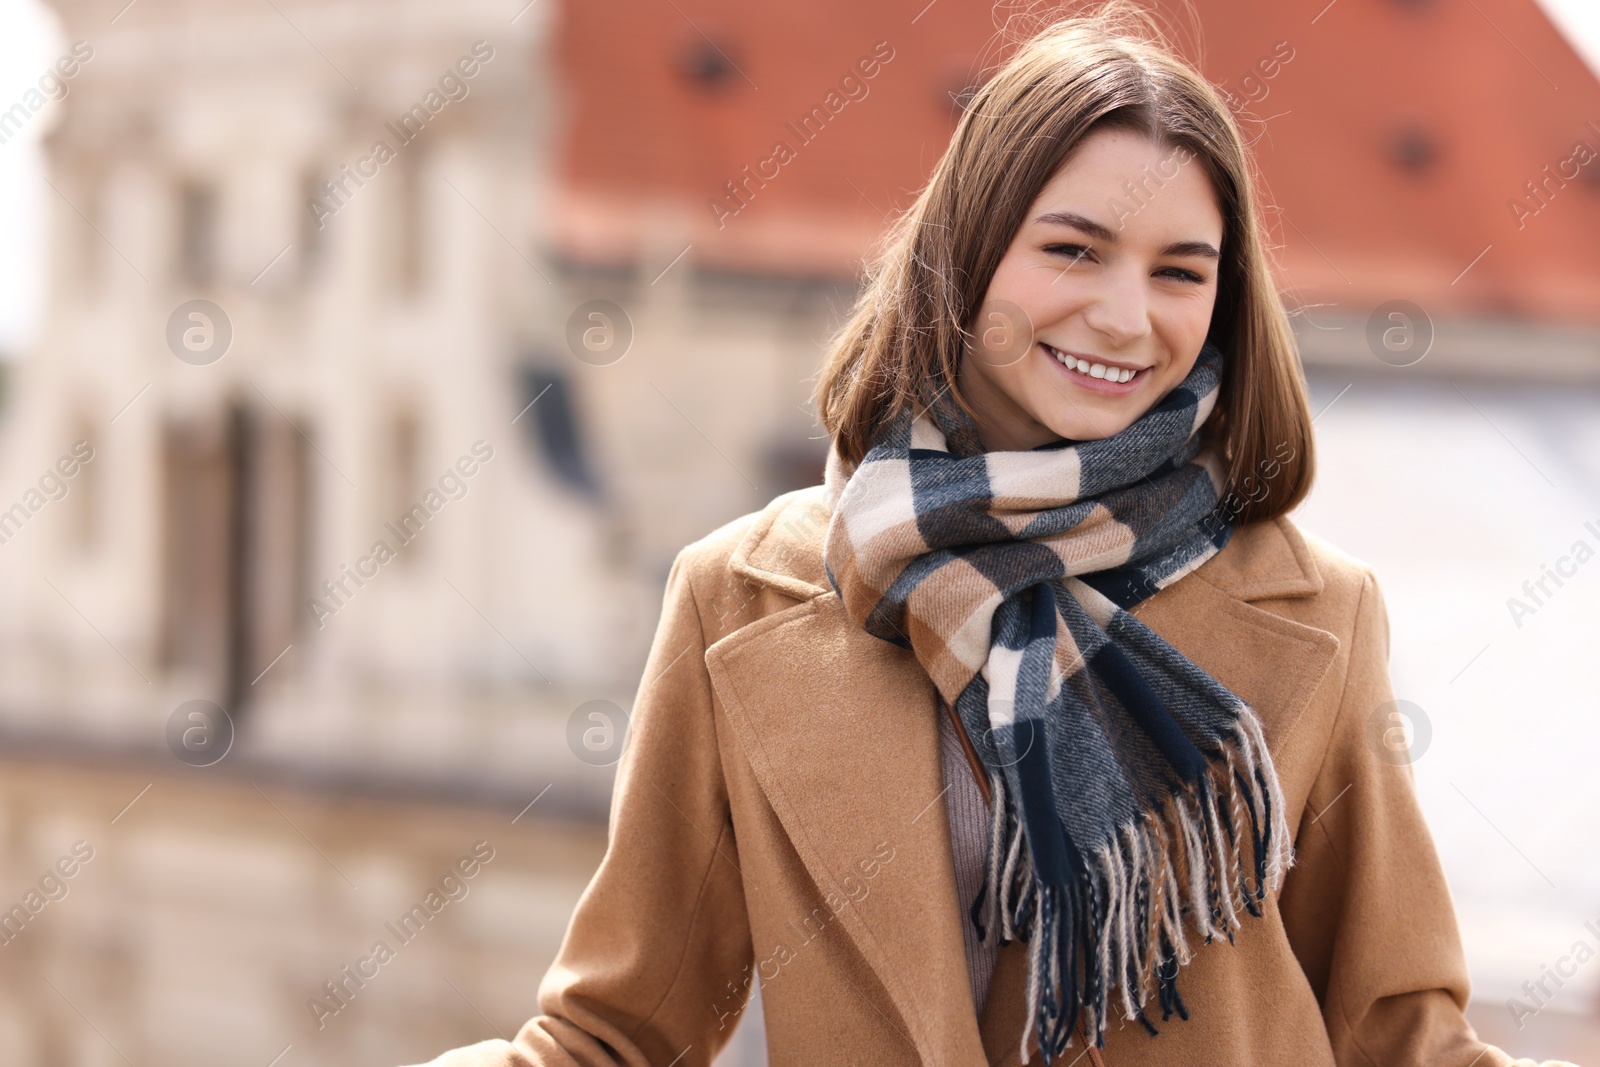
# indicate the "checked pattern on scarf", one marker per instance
pixel 1134 793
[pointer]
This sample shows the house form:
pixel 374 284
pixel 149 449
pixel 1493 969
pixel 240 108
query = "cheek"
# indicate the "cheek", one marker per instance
pixel 1001 348
pixel 1177 369
pixel 1038 285
pixel 1182 329
pixel 1051 295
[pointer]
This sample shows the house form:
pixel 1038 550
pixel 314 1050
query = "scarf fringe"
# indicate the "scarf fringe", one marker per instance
pixel 1203 854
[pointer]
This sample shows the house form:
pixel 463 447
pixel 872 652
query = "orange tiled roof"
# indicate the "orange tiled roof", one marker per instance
pixel 1394 143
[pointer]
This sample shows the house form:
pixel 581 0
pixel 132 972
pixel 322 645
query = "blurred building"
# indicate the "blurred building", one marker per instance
pixel 205 922
pixel 297 317
pixel 1411 150
pixel 596 249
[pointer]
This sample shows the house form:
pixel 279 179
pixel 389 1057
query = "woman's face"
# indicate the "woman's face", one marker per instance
pixel 1102 301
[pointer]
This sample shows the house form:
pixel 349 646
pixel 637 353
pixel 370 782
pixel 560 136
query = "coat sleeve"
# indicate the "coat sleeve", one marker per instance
pixel 1366 906
pixel 649 970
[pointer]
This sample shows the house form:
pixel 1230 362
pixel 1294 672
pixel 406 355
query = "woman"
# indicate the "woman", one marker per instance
pixel 1038 724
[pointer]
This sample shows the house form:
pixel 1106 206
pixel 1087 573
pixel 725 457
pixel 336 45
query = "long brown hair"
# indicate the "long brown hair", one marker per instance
pixel 1111 68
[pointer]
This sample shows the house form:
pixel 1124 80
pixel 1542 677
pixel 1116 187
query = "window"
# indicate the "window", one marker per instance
pixel 410 223
pixel 91 248
pixel 309 239
pixel 197 223
pixel 550 419
pixel 84 491
pixel 404 481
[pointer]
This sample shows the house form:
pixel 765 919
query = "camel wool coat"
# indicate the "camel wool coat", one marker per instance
pixel 775 814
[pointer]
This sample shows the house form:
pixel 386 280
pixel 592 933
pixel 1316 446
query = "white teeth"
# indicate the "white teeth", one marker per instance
pixel 1093 370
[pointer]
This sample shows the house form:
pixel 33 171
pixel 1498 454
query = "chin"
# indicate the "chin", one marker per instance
pixel 1075 428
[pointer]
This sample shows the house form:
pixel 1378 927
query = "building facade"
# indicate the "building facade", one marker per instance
pixel 353 454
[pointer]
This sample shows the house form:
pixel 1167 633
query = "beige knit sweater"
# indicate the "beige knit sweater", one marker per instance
pixel 969 829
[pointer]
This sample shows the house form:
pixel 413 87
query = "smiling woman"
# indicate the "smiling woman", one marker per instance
pixel 1117 318
pixel 1046 631
pixel 1123 253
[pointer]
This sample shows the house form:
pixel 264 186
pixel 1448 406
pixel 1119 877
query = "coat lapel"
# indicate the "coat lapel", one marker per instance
pixel 841 733
pixel 1272 663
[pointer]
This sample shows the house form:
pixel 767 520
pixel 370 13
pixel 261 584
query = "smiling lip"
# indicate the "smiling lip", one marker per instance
pixel 1092 384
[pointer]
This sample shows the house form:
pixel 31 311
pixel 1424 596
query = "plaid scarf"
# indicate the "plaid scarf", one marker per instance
pixel 1131 790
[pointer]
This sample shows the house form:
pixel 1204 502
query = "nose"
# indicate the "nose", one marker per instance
pixel 1120 311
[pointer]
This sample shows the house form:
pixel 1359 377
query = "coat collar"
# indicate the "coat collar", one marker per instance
pixel 841 733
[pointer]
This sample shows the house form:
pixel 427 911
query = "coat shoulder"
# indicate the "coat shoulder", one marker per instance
pixel 1339 569
pixel 1277 559
pixel 1298 575
pixel 779 543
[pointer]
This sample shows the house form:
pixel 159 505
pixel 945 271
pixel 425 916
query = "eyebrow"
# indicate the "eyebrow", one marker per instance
pixel 1102 233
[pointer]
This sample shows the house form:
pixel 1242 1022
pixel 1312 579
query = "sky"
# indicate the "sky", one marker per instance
pixel 30 40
